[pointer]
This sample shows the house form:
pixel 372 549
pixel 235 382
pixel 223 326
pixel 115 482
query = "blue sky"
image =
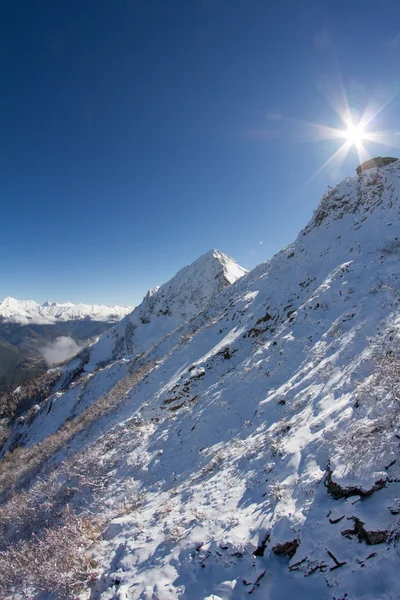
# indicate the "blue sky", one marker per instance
pixel 138 134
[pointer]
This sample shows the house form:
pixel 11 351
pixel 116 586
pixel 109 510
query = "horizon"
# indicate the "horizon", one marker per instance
pixel 51 303
pixel 136 137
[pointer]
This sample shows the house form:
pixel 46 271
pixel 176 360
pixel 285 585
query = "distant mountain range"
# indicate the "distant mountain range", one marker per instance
pixel 28 312
pixel 33 336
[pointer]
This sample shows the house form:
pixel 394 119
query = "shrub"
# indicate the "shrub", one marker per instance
pixel 57 562
pixel 391 246
pixel 370 438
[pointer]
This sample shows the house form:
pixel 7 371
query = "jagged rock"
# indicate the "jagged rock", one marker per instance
pixel 259 551
pixel 337 491
pixel 369 537
pixel 288 548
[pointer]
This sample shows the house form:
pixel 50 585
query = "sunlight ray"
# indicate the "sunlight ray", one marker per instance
pixel 337 99
pixel 354 129
pixel 384 138
pixel 339 155
pixel 317 131
pixel 371 111
pixel 362 152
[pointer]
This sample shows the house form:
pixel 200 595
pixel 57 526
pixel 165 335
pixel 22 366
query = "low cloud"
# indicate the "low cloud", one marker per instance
pixel 61 349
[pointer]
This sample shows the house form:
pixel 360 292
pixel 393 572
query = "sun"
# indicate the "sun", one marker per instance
pixel 355 134
pixel 355 131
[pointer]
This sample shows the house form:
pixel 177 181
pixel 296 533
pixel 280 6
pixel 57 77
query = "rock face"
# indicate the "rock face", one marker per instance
pixel 242 437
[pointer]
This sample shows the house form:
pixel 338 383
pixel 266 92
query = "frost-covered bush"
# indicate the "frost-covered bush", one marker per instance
pixel 370 439
pixel 45 535
pixel 214 464
pixel 367 445
pixel 186 337
pixel 373 178
pixel 58 562
pixel 391 246
pixel 276 491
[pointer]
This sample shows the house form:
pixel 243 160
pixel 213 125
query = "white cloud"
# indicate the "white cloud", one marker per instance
pixel 61 349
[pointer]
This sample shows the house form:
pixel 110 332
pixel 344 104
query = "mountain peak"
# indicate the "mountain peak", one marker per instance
pixel 213 253
pixel 11 306
pixel 10 301
pixel 198 283
pixel 218 262
pixel 166 308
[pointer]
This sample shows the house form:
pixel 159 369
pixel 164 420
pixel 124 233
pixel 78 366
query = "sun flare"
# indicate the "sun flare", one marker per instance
pixel 356 131
pixel 355 134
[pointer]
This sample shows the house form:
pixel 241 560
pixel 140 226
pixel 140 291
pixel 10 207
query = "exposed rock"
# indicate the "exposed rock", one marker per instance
pixel 259 551
pixel 288 548
pixel 369 537
pixel 337 491
pixel 338 564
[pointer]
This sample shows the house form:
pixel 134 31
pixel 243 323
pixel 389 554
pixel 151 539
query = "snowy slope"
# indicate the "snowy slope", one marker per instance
pixel 25 312
pixel 249 448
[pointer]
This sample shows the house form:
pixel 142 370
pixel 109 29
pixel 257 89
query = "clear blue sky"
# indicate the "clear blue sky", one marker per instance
pixel 135 135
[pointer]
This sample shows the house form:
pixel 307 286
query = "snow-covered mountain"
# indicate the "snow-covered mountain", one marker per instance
pixel 167 307
pixel 28 312
pixel 231 440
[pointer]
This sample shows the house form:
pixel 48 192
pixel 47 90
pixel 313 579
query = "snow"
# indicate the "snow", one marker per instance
pixel 221 456
pixel 25 312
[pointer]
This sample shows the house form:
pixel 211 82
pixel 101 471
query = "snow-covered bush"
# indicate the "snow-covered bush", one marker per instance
pixel 185 337
pixel 276 491
pixel 59 561
pixel 391 246
pixel 370 439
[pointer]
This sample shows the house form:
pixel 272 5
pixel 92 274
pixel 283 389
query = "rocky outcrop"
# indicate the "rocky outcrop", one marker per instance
pixel 337 491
